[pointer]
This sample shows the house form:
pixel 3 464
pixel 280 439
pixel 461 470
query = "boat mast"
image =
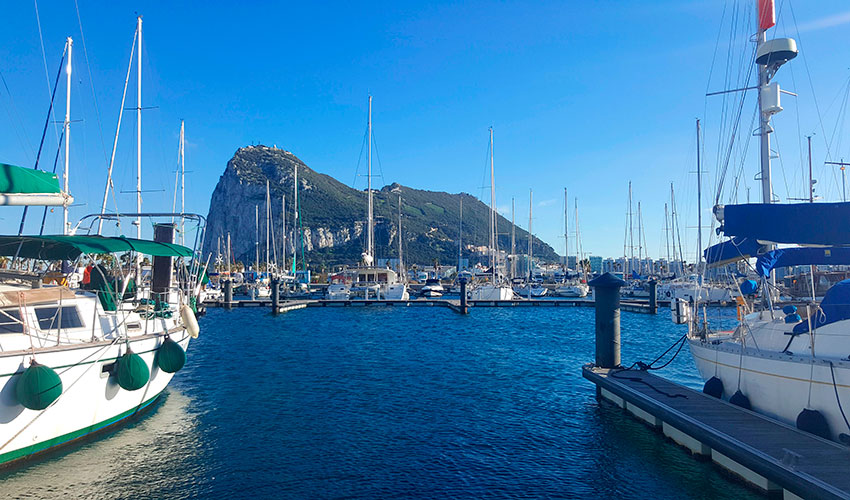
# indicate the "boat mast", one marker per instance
pixel 69 43
pixel 631 231
pixel 530 242
pixel 699 206
pixel 268 224
pixel 295 217
pixel 229 253
pixel 370 242
pixel 492 211
pixel 459 237
pixel 283 230
pixel 667 234
pixel 117 130
pixel 182 181
pixel 257 238
pixel 764 123
pixel 513 238
pixel 640 245
pixel 579 249
pixel 566 234
pixel 400 261
pixel 139 136
pixel 811 200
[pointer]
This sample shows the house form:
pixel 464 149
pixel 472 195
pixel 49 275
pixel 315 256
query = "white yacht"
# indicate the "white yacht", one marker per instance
pixel 489 291
pixel 789 363
pixel 572 290
pixel 432 288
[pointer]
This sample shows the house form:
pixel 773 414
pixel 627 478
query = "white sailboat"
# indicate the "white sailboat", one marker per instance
pixel 79 361
pixel 571 287
pixel 367 280
pixel 496 288
pixel 789 363
pixel 528 288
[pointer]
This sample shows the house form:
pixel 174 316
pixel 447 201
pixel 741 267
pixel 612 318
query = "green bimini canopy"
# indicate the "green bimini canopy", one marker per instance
pixel 60 247
pixel 27 186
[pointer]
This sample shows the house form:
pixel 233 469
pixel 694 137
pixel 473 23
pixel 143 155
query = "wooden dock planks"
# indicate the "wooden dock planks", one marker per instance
pixel 801 463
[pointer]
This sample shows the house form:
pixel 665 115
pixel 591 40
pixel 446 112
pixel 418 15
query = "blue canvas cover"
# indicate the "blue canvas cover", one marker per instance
pixel 784 257
pixel 730 251
pixel 800 223
pixel 835 306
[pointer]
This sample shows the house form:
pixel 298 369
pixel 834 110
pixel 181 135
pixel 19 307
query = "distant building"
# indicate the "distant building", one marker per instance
pixel 595 264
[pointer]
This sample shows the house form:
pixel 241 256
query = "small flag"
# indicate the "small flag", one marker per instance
pixel 767 14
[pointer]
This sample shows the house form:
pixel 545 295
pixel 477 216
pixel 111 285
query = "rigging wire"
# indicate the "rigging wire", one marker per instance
pixel 44 61
pixel 91 81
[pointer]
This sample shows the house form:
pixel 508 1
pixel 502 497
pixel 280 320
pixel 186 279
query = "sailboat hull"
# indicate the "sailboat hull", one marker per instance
pixel 91 399
pixel 778 385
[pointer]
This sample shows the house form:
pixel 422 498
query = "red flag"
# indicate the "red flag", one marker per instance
pixel 767 14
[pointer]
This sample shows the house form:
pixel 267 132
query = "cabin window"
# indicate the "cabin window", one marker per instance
pixel 48 318
pixel 10 325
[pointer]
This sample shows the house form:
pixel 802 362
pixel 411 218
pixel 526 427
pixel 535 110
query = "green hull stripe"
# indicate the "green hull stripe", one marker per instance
pixel 59 440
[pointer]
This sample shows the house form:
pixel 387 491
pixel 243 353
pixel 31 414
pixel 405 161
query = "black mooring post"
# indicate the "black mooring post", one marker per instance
pixel 606 292
pixel 653 298
pixel 464 305
pixel 275 289
pixel 228 294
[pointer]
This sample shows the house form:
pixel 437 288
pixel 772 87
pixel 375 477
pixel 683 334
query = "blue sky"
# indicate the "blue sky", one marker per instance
pixel 582 95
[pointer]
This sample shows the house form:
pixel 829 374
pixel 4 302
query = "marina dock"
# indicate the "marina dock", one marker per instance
pixel 454 304
pixel 775 457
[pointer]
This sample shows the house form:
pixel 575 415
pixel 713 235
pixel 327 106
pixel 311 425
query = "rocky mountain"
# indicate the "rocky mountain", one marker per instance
pixel 334 215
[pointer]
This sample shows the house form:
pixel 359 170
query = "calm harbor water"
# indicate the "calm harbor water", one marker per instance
pixel 389 403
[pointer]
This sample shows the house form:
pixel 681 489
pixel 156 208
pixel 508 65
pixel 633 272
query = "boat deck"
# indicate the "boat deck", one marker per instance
pixel 767 453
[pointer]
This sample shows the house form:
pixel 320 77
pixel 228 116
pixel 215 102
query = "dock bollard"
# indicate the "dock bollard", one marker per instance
pixel 606 292
pixel 228 294
pixel 653 297
pixel 464 305
pixel 275 293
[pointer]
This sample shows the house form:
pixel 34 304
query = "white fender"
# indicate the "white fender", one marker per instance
pixel 190 322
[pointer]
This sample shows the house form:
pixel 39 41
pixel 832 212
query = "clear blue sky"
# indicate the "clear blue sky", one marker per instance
pixel 582 95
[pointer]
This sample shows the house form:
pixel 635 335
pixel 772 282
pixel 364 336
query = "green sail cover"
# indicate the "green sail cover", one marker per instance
pixel 27 180
pixel 61 247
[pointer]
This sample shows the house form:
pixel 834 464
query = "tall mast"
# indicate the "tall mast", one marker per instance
pixel 139 131
pixel 513 238
pixel 460 238
pixel 182 180
pixel 492 210
pixel 677 235
pixel 69 44
pixel 283 230
pixel 400 261
pixel 811 200
pixel 228 253
pixel 117 131
pixel 295 218
pixel 699 206
pixel 667 234
pixel 257 239
pixel 764 125
pixel 566 233
pixel 530 242
pixel 370 235
pixel 640 246
pixel 268 224
pixel 631 232
pixel 579 250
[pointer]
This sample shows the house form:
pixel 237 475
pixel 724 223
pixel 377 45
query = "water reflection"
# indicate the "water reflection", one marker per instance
pixel 154 456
